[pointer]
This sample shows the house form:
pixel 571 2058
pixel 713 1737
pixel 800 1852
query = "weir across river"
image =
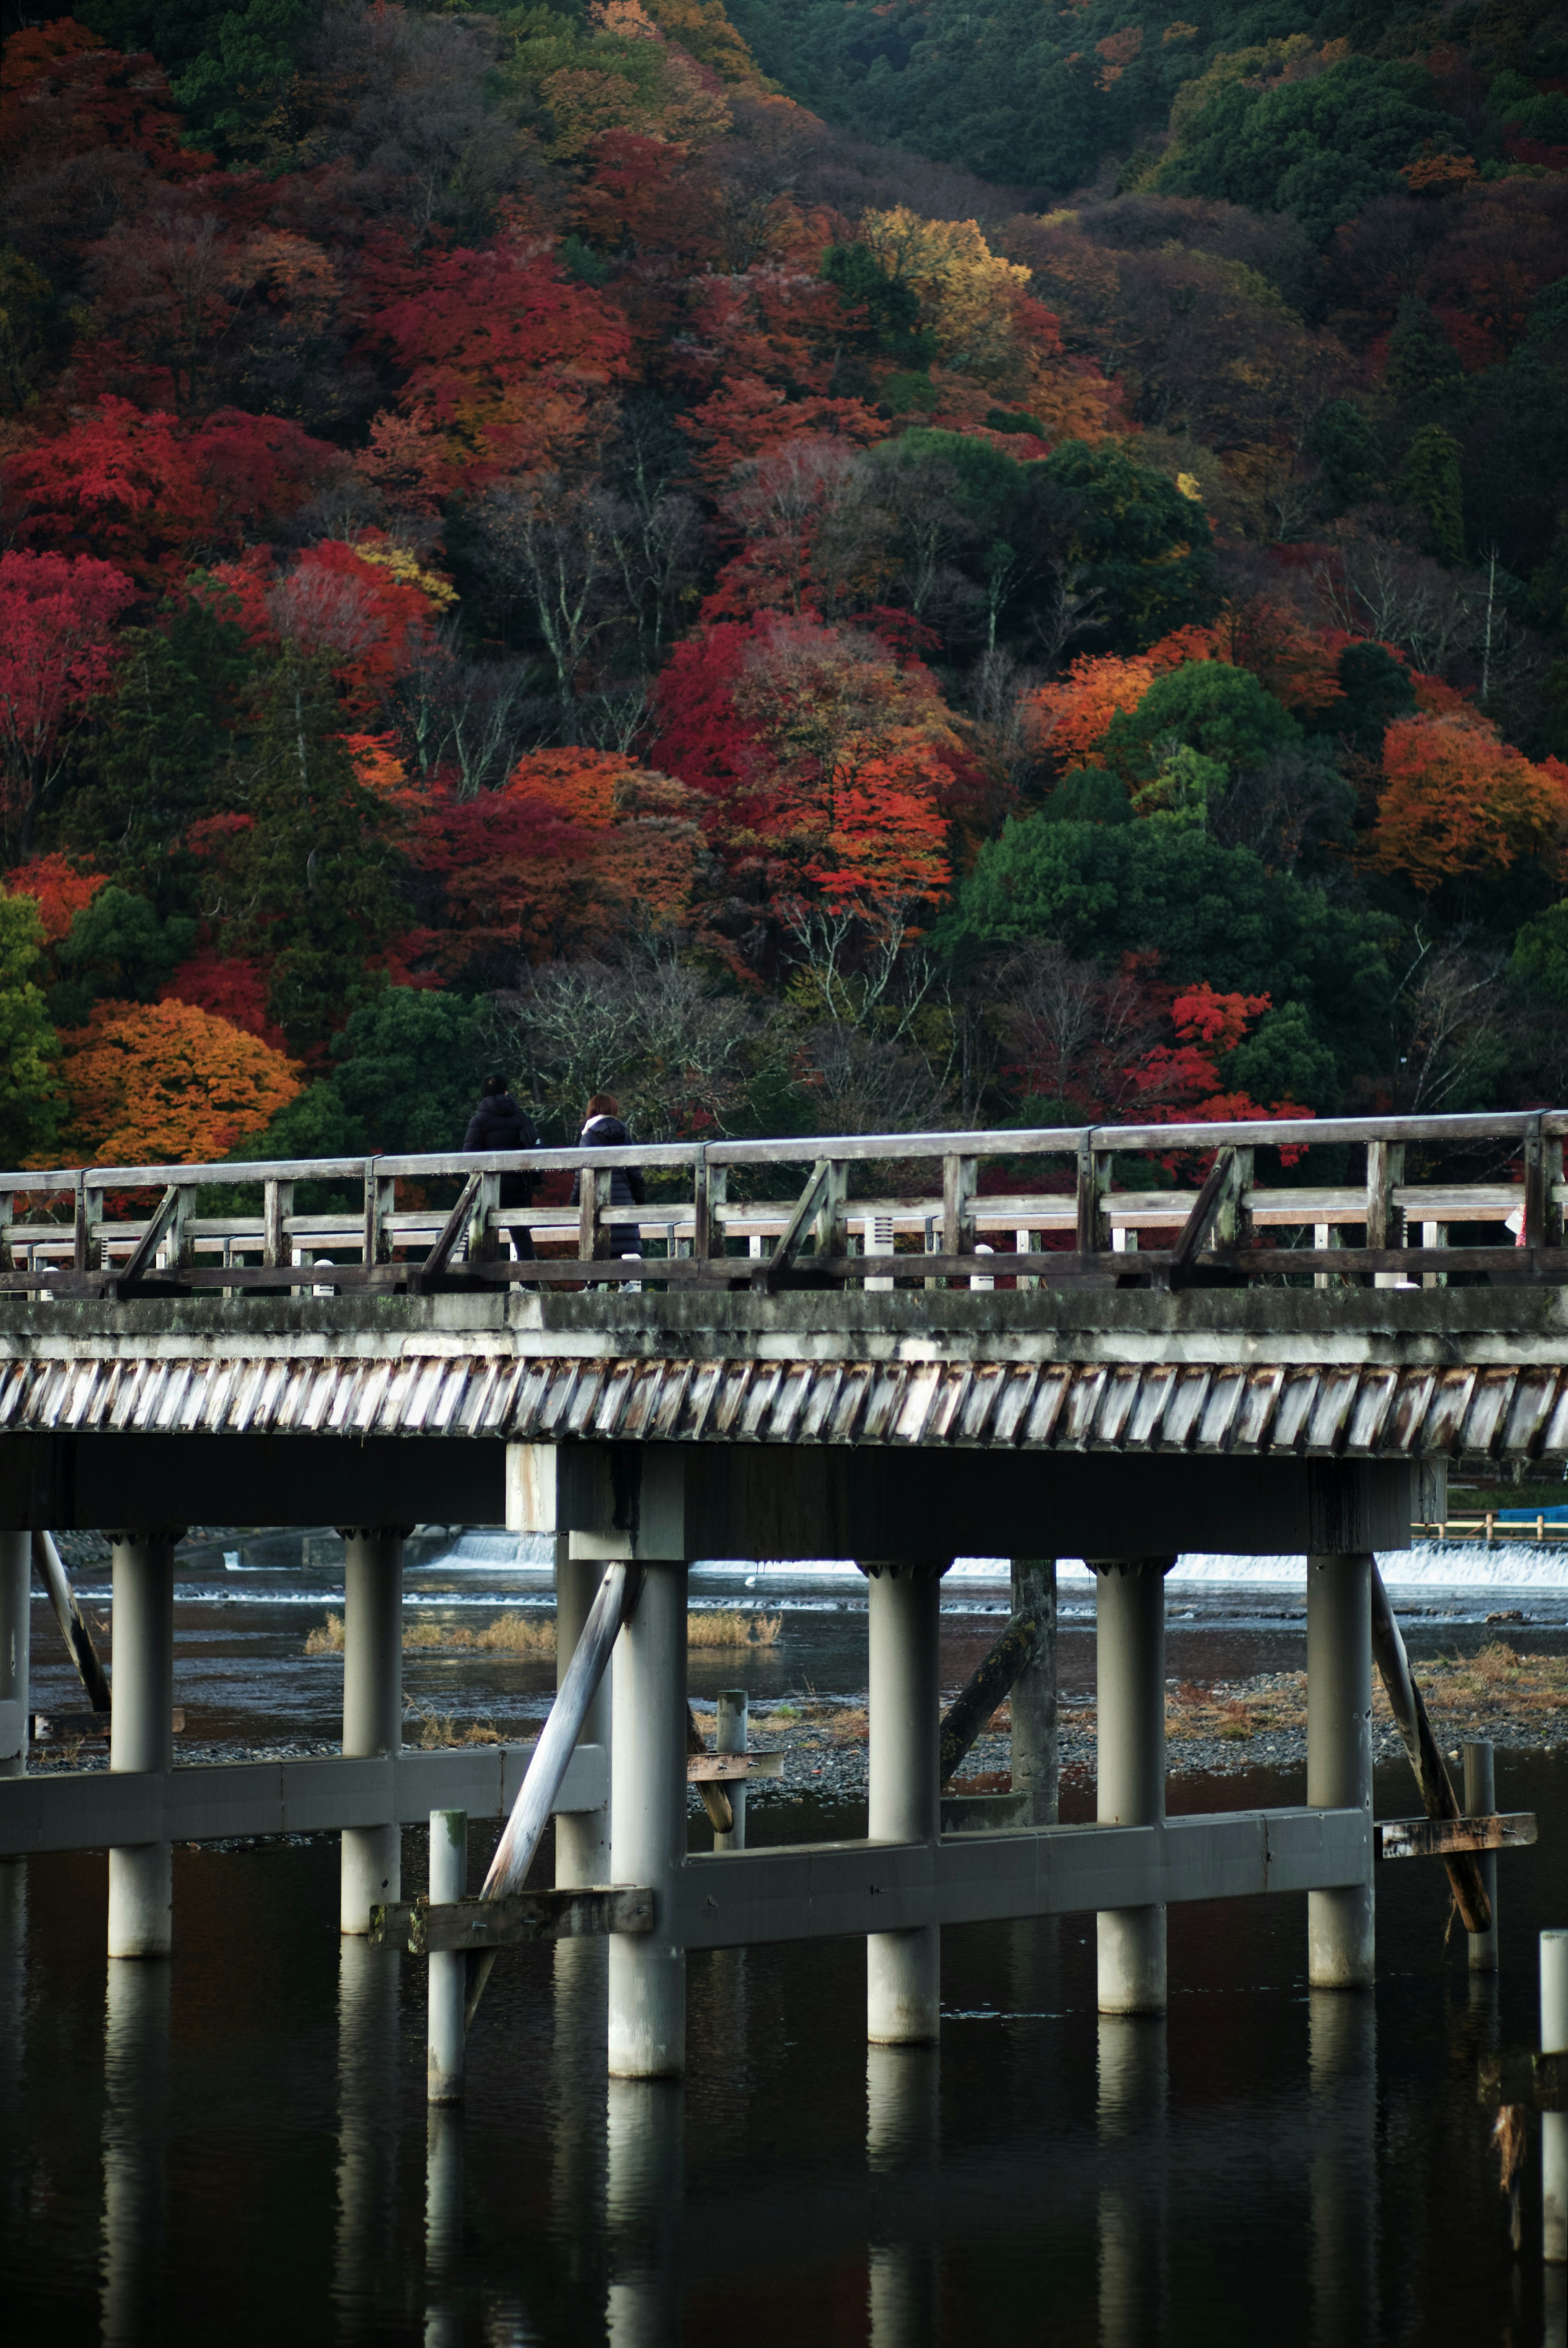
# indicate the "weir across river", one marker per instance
pixel 1114 1343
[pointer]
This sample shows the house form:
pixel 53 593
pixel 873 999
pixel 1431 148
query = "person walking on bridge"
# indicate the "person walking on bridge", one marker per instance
pixel 602 1129
pixel 500 1123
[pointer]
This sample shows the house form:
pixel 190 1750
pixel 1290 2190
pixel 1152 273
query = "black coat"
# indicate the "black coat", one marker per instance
pixel 499 1123
pixel 627 1188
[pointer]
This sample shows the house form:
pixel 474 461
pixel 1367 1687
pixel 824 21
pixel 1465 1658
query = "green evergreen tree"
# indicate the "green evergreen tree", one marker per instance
pixel 164 737
pixel 1346 447
pixel 1423 371
pixel 315 872
pixel 1429 481
pixel 30 1103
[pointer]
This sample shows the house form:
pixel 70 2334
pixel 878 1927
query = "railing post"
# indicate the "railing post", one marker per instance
pixel 829 1227
pixel 277 1206
pixel 958 1179
pixel 591 1193
pixel 380 1198
pixel 1094 1173
pixel 484 1243
pixel 1385 1172
pixel 1234 1223
pixel 710 1183
pixel 878 1242
pixel 1434 1235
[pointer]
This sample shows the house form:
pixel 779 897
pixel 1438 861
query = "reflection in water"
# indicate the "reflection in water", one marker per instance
pixel 903 2124
pixel 13 1983
pixel 368 2112
pixel 136 2100
pixel 444 2227
pixel 647 2174
pixel 577 2109
pixel 1134 2157
pixel 1344 2258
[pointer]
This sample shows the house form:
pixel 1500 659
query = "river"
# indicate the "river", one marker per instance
pixel 237 2143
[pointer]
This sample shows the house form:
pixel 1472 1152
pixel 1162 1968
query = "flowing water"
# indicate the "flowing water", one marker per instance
pixel 236 2143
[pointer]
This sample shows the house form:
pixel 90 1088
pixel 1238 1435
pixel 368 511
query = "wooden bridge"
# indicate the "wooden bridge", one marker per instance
pixel 1113 1342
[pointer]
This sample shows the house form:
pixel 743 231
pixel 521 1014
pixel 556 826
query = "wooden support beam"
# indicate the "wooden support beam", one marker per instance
pixel 1437 1837
pixel 771 1270
pixel 719 1768
pixel 164 1215
pixel 1217 1188
pixel 715 1801
pixel 451 1231
pixel 51 1572
pixel 1432 1777
pixel 512 1922
pixel 988 1685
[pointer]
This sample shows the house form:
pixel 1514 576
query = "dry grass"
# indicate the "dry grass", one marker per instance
pixel 439 1728
pixel 726 1626
pixel 535 1634
pixel 1498 1684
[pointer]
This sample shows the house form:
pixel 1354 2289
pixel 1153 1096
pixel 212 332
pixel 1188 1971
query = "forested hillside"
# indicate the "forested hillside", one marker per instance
pixel 822 567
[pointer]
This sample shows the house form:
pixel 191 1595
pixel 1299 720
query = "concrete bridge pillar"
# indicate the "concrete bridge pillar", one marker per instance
pixel 648 1823
pixel 1340 1925
pixel 903 1970
pixel 372 1867
pixel 141 1733
pixel 1129 1671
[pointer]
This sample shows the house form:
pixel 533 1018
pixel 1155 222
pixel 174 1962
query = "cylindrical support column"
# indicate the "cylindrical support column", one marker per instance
pixel 372 1708
pixel 731 1736
pixel 582 1837
pixel 15 1632
pixel 1480 1802
pixel 1129 1674
pixel 1554 2125
pixel 448 1967
pixel 647 1826
pixel 903 1970
pixel 1034 1756
pixel 1340 1925
pixel 141 1734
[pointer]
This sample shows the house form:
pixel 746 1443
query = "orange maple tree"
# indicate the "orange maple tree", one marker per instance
pixel 1457 799
pixel 166 1084
pixel 56 888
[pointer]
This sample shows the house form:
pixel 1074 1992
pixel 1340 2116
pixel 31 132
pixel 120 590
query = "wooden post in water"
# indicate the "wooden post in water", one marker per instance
pixel 371 1869
pixel 1480 1802
pixel 1341 1928
pixel 142 1737
pixel 732 1736
pixel 1036 1769
pixel 448 1967
pixel 1437 1795
pixel 903 1968
pixel 15 1625
pixel 1554 2125
pixel 1129 1767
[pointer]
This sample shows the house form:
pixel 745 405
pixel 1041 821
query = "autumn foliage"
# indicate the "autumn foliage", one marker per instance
pixel 1459 800
pixel 155 1083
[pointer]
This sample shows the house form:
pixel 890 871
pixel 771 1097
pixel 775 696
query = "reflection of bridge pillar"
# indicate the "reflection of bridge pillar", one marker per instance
pixel 135 2091
pixel 902 2141
pixel 16 1637
pixel 372 1708
pixel 1340 1925
pixel 903 1970
pixel 444 2227
pixel 582 1838
pixel 646 2185
pixel 1343 2261
pixel 647 1825
pixel 1130 1671
pixel 368 2105
pixel 141 1734
pixel 1132 2198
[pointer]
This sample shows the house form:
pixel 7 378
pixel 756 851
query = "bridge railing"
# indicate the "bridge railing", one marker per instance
pixel 1096 1204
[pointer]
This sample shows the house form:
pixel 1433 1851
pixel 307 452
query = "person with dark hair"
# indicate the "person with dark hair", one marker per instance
pixel 602 1129
pixel 499 1123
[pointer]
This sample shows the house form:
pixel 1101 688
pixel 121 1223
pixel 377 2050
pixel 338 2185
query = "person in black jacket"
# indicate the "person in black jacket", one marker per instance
pixel 499 1123
pixel 602 1129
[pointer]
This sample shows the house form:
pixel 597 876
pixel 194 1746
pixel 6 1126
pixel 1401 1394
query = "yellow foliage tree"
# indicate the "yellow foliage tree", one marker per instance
pixel 967 291
pixel 165 1083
